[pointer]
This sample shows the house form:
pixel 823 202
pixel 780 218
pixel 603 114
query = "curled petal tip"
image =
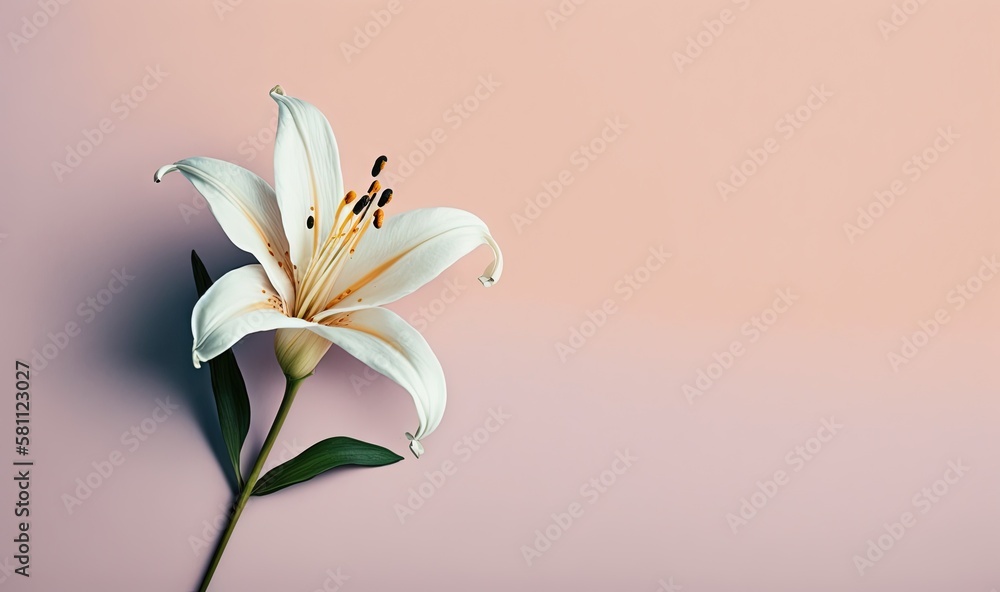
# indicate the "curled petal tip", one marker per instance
pixel 493 272
pixel 163 170
pixel 277 90
pixel 415 446
pixel 196 359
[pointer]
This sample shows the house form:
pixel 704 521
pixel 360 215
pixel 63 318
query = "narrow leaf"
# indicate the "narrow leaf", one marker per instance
pixel 321 457
pixel 231 397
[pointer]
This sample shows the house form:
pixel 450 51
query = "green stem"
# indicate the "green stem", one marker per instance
pixel 291 387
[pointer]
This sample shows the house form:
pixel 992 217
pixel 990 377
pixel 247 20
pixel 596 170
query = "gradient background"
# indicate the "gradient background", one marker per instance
pixel 662 525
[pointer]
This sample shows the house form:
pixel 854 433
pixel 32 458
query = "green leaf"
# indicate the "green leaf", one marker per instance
pixel 321 457
pixel 231 397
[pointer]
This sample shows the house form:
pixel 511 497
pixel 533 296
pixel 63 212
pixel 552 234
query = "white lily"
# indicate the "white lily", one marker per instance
pixel 328 262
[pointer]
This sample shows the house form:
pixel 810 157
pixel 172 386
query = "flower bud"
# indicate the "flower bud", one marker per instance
pixel 299 351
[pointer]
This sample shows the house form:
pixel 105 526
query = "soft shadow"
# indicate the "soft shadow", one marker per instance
pixel 154 338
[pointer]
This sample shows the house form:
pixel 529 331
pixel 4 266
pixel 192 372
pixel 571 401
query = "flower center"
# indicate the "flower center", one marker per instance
pixel 351 223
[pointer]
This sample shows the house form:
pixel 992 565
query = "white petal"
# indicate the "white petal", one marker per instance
pixel 240 303
pixel 408 251
pixel 415 446
pixel 245 206
pixel 306 176
pixel 389 345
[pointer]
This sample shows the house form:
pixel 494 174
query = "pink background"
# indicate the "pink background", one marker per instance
pixel 663 524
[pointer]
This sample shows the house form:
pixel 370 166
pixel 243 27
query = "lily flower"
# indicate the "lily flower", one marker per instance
pixel 328 261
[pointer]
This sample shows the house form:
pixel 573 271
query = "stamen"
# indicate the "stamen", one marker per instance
pixel 310 221
pixel 356 238
pixel 379 165
pixel 330 255
pixel 362 204
pixel 340 207
pixel 333 262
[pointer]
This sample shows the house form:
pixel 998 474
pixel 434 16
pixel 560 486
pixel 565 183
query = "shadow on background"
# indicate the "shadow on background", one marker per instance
pixel 154 336
pixel 150 333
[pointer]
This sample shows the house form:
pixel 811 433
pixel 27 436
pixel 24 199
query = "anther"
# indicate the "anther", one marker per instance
pixel 379 165
pixel 362 204
pixel 386 197
pixel 350 197
pixel 375 186
pixel 310 221
pixel 379 216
